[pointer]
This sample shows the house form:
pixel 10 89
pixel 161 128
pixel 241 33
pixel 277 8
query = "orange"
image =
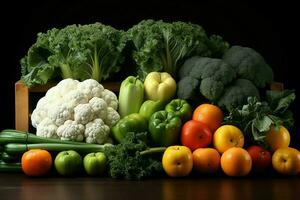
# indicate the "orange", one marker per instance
pixel 286 161
pixel 278 138
pixel 236 161
pixel 228 136
pixel 210 115
pixel 206 160
pixel 36 162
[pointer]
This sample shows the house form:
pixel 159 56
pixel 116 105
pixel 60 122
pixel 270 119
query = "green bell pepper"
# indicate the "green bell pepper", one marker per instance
pixel 131 123
pixel 149 107
pixel 164 128
pixel 181 108
pixel 131 96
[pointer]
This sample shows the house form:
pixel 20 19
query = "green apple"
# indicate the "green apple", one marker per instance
pixel 68 163
pixel 94 163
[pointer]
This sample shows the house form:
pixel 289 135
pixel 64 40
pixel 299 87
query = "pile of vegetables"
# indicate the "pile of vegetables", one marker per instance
pixel 129 159
pixel 159 121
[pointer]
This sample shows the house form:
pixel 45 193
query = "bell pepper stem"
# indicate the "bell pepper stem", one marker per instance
pixel 153 150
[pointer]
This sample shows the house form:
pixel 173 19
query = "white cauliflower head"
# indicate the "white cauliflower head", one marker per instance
pixel 97 132
pixel 37 116
pixel 74 98
pixel 99 107
pixel 69 109
pixel 59 113
pixel 46 128
pixel 91 88
pixel 112 117
pixel 83 113
pixel 110 98
pixel 66 85
pixel 71 130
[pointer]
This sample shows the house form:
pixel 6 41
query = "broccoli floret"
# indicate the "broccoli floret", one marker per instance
pixel 212 74
pixel 250 65
pixel 187 88
pixel 236 94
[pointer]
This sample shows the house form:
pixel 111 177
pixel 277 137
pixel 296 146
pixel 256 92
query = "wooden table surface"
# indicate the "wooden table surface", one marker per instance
pixel 18 186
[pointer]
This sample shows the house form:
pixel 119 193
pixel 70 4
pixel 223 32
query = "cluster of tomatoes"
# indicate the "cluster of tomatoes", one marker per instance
pixel 208 146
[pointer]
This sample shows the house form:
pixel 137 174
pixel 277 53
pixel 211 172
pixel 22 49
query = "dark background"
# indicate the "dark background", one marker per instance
pixel 267 27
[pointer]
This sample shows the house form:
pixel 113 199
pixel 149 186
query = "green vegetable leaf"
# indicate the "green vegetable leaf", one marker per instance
pixel 126 161
pixel 161 46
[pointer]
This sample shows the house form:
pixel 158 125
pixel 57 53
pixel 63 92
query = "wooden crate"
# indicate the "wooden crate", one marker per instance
pixel 24 101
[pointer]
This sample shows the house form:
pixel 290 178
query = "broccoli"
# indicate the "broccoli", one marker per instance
pixel 236 94
pixel 250 65
pixel 211 74
pixel 216 80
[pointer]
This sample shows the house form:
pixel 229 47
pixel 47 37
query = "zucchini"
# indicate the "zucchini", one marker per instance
pixel 15 136
pixel 10 167
pixel 14 148
pixel 8 158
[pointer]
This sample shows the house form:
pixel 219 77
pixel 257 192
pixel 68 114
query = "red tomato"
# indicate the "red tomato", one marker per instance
pixel 261 158
pixel 195 134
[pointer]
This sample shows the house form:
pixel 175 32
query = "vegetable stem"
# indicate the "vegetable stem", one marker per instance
pixel 153 150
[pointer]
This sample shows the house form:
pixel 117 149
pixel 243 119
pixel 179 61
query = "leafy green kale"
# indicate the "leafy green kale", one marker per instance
pixel 76 51
pixel 250 65
pixel 133 160
pixel 256 118
pixel 161 46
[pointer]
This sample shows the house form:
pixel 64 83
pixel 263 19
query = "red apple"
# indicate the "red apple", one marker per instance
pixel 261 158
pixel 195 134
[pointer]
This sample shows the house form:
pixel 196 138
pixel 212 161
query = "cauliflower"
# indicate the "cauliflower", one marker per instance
pixel 97 132
pixel 110 98
pixel 112 117
pixel 46 129
pixel 75 97
pixel 78 111
pixel 37 116
pixel 91 88
pixel 71 130
pixel 60 113
pixel 83 113
pixel 99 107
pixel 66 85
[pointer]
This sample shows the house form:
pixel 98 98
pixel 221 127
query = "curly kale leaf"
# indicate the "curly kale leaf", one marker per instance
pixel 76 51
pixel 161 46
pixel 126 161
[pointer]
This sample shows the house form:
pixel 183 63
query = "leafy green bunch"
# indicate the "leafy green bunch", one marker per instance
pixel 132 159
pixel 162 46
pixel 76 51
pixel 256 118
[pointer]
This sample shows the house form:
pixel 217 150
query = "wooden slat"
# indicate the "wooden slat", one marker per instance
pixel 276 86
pixel 21 106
